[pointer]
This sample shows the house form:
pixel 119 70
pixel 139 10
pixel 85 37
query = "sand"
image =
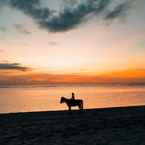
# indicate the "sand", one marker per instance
pixel 114 126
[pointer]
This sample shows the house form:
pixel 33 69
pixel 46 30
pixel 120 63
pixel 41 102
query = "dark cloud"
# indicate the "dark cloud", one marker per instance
pixel 12 66
pixel 118 11
pixel 69 17
pixel 31 7
pixel 21 29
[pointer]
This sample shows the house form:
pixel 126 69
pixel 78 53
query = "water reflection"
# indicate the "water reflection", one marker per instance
pixel 47 98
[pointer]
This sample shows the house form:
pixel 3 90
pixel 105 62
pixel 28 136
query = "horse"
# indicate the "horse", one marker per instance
pixel 72 102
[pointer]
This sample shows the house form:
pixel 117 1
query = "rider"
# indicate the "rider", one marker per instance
pixel 73 96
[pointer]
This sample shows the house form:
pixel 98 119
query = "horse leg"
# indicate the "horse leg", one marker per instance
pixel 81 106
pixel 69 108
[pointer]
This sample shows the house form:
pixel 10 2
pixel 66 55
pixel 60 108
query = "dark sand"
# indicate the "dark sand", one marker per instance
pixel 114 126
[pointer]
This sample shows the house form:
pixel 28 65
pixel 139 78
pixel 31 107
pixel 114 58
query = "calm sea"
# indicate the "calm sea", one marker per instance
pixel 26 99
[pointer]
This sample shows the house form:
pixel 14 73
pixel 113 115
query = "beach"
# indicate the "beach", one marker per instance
pixel 109 126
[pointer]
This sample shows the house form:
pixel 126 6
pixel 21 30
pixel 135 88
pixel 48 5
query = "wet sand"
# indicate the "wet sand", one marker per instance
pixel 112 126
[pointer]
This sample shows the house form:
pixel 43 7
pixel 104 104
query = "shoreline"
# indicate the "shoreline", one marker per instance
pixel 134 107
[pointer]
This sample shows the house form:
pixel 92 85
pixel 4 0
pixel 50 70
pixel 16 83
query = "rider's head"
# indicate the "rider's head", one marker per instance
pixel 73 94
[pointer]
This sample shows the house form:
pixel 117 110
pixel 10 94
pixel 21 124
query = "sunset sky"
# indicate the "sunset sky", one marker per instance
pixel 65 41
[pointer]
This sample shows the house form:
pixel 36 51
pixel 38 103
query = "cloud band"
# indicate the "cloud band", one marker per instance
pixel 69 17
pixel 12 66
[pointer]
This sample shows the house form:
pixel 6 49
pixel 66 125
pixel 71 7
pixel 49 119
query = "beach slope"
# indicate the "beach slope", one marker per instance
pixel 110 126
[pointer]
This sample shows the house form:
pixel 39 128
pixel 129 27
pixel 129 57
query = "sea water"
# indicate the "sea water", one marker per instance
pixel 47 98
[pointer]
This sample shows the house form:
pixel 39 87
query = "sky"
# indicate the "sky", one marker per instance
pixel 72 41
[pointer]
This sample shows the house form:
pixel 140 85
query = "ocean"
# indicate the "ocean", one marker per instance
pixel 43 98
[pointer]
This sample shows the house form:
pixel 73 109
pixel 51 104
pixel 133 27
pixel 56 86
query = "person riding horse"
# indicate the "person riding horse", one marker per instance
pixel 72 102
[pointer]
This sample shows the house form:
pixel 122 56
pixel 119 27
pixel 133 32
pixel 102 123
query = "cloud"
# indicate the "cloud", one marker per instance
pixel 12 66
pixel 21 29
pixel 2 3
pixel 69 17
pixel 118 11
pixel 135 77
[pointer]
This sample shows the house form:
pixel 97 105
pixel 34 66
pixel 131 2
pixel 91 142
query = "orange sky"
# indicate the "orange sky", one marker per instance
pixel 40 78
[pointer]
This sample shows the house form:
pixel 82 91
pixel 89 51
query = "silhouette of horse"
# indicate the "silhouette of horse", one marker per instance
pixel 72 102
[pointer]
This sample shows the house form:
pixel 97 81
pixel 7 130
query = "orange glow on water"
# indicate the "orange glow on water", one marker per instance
pixel 48 98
